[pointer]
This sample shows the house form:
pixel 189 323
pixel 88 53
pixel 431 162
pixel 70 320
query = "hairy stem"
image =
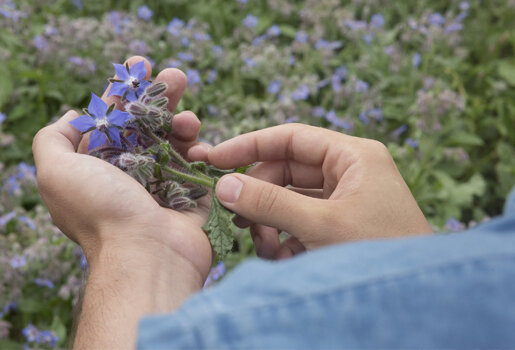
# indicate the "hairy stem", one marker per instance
pixel 204 181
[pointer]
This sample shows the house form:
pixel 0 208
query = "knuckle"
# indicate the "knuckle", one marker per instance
pixel 378 152
pixel 266 200
pixel 40 135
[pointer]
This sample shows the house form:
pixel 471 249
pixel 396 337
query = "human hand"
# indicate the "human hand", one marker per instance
pixel 346 188
pixel 101 208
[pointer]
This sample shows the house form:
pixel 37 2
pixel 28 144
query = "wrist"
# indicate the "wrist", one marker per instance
pixel 126 283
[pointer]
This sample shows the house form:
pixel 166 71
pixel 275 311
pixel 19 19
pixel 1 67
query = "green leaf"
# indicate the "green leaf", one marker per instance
pixel 30 306
pixel 219 227
pixel 215 172
pixel 462 138
pixel 11 345
pixel 507 72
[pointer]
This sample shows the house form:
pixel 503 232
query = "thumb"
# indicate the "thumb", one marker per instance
pixel 268 204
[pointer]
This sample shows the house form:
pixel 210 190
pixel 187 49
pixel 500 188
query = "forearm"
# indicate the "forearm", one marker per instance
pixel 125 284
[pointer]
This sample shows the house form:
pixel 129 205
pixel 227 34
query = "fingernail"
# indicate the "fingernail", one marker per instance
pixel 228 189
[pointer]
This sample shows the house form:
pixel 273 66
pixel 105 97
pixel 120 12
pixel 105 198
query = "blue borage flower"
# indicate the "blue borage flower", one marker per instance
pixel 104 123
pixel 129 82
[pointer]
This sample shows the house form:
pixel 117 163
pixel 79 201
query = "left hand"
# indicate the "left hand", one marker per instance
pixel 102 208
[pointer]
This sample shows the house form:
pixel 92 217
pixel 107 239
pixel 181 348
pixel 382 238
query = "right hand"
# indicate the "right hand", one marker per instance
pixel 345 188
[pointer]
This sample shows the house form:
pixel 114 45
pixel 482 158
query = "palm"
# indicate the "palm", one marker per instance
pixel 181 230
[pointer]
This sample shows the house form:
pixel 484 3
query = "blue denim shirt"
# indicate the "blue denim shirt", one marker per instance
pixel 454 291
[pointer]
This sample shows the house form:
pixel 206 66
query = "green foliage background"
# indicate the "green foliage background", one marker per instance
pixel 463 169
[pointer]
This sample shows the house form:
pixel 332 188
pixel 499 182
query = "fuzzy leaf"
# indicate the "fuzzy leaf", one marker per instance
pixel 219 227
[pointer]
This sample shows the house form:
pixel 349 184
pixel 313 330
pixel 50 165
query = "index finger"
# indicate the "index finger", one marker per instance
pixel 305 144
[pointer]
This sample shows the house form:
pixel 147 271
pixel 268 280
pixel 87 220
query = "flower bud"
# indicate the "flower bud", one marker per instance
pixel 137 109
pixel 156 89
pixel 160 102
pixel 182 203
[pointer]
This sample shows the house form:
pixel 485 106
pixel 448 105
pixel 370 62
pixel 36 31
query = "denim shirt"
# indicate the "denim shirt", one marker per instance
pixel 449 291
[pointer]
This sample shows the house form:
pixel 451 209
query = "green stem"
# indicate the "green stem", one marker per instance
pixel 175 155
pixel 204 181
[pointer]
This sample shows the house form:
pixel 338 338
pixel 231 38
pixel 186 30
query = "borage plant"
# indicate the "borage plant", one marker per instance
pixel 135 141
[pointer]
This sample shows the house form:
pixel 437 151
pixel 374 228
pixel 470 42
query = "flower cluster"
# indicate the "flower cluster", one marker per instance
pixel 136 140
pixel 39 266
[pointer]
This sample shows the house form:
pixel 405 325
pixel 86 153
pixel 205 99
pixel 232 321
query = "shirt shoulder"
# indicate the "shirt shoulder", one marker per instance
pixel 452 291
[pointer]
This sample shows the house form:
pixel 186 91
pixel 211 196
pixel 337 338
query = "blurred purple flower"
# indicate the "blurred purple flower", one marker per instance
pixel 47 337
pixel 301 93
pixel 175 26
pixel 78 4
pixel 2 118
pixel 201 36
pixel 138 47
pixel 250 21
pixel 258 40
pixel 301 37
pixel 355 25
pixel 131 83
pixel 193 77
pixel 274 87
pixel 51 30
pixel 173 63
pixel 145 13
pixel 185 56
pixel 464 6
pixel 389 50
pixel 17 261
pixel 104 127
pixel 30 332
pixel 416 60
pixel 211 76
pixel 361 86
pixel 28 221
pixel 40 43
pixel 400 130
pixel 318 112
pixel 364 119
pixel 332 118
pixel 43 282
pixel 341 72
pixel 453 27
pixel 454 225
pixel 368 37
pixel 249 62
pixel 327 45
pixel 377 21
pixel 217 50
pixel 185 41
pixel 4 219
pixel 12 185
pixel 375 113
pixel 274 30
pixel 215 274
pixel 413 143
pixel 436 19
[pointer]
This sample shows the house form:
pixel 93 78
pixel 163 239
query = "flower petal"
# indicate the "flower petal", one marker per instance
pixel 114 133
pixel 97 107
pixel 138 70
pixel 118 118
pixel 96 139
pixel 83 123
pixel 118 89
pixel 121 71
pixel 131 96
pixel 143 85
